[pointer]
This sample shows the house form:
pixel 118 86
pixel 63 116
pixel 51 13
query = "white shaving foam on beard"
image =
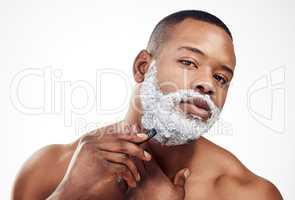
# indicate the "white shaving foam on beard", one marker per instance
pixel 159 112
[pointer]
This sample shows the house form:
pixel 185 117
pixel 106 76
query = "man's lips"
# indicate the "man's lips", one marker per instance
pixel 199 103
pixel 196 107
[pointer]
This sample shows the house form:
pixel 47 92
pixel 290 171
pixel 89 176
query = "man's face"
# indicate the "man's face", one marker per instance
pixel 198 56
pixel 184 87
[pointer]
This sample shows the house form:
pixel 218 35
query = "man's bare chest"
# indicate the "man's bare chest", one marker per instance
pixel 201 191
pixel 193 191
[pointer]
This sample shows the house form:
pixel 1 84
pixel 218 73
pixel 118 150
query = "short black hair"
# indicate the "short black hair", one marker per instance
pixel 161 30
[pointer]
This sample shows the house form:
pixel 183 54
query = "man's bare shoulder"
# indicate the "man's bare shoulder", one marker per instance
pixel 235 181
pixel 42 172
pixel 244 187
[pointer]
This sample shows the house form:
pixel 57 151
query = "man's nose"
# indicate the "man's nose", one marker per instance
pixel 204 87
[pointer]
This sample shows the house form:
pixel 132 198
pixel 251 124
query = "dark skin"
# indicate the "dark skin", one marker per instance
pixel 109 163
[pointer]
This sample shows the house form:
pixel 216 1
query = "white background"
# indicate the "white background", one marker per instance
pixel 70 41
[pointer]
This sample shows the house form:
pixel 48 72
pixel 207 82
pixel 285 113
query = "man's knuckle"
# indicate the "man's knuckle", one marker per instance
pixel 124 158
pixel 122 147
pixel 89 147
pixel 84 139
pixel 140 152
pixel 86 144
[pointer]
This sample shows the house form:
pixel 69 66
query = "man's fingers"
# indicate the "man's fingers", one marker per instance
pixel 126 175
pixel 133 137
pixel 130 133
pixel 140 167
pixel 122 159
pixel 123 172
pixel 180 177
pixel 125 147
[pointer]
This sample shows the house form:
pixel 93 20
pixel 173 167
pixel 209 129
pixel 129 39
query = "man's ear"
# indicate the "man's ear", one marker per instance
pixel 140 65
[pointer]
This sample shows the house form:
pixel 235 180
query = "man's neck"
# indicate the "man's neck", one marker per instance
pixel 170 158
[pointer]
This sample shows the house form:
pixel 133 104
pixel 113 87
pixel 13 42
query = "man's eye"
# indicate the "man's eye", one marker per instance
pixel 188 63
pixel 221 79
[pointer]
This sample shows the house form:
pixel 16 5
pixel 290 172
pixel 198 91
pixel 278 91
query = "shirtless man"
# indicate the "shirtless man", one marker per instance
pixel 110 164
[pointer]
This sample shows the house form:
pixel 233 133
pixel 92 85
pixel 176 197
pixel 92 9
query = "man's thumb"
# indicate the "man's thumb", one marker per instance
pixel 181 176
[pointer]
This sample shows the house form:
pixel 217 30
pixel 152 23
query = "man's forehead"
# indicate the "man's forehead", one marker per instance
pixel 198 28
pixel 205 38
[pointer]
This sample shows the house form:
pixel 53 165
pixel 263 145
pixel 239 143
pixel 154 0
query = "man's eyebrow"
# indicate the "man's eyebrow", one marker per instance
pixel 192 49
pixel 198 51
pixel 228 69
